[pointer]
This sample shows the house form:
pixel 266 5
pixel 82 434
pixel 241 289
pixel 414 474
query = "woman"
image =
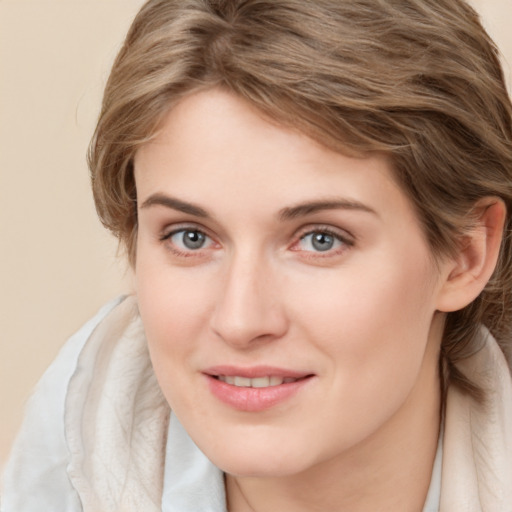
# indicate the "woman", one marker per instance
pixel 315 198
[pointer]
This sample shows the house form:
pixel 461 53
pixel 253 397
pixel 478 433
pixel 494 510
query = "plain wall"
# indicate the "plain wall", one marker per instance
pixel 57 264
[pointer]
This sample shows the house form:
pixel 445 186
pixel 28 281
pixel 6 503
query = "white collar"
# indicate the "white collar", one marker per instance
pixel 191 481
pixel 434 491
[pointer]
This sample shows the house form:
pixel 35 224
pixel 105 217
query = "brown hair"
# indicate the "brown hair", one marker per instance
pixel 417 79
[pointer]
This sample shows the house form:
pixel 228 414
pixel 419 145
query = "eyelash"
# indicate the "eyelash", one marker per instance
pixel 345 241
pixel 166 237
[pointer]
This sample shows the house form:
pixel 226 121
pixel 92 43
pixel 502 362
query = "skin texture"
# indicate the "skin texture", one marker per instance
pixel 360 317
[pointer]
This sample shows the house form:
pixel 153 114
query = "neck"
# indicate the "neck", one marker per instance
pixel 391 470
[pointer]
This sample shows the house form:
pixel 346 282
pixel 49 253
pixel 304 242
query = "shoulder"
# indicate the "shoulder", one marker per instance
pixel 477 450
pixel 35 477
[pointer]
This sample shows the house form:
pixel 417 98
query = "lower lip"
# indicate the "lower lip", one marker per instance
pixel 254 399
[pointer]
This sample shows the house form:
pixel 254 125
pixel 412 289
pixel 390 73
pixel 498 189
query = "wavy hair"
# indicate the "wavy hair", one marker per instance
pixel 419 80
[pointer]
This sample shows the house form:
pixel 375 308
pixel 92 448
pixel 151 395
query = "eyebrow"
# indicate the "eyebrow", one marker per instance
pixel 308 208
pixel 285 214
pixel 175 204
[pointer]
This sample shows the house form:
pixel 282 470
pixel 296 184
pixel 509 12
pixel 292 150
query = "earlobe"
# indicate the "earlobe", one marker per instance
pixel 469 271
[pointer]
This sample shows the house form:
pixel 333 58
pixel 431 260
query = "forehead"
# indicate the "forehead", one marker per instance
pixel 213 147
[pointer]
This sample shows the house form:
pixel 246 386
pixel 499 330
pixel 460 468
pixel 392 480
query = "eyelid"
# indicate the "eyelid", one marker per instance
pixel 343 236
pixel 169 231
pixel 346 238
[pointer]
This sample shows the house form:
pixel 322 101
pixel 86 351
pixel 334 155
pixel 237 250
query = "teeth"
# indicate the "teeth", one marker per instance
pixel 260 382
pixel 257 382
pixel 242 382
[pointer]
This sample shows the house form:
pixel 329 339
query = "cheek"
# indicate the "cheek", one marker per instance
pixel 372 320
pixel 368 297
pixel 171 299
pixel 174 311
pixel 373 333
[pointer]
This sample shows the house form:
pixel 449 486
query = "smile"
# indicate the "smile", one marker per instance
pixel 258 382
pixel 255 389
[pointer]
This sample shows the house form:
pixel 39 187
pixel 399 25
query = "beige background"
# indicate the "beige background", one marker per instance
pixel 57 265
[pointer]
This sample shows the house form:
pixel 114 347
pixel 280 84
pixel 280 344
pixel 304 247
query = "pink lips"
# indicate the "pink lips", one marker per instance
pixel 254 399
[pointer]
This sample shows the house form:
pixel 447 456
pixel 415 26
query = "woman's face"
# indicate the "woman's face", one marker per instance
pixel 287 291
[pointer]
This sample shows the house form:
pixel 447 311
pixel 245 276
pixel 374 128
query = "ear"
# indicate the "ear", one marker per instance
pixel 467 273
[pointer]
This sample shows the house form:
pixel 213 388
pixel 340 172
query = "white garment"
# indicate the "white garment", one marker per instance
pixel 35 478
pixel 97 435
pixel 191 482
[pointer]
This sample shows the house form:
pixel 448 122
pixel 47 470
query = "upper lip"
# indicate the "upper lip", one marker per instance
pixel 253 372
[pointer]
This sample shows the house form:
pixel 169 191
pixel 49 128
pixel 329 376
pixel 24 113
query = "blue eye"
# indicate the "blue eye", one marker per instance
pixel 320 241
pixel 189 239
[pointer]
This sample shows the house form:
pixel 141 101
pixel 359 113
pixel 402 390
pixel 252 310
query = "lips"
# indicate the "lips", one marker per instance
pixel 254 389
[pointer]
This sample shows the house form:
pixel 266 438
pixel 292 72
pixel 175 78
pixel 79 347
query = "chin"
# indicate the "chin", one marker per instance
pixel 250 469
pixel 260 463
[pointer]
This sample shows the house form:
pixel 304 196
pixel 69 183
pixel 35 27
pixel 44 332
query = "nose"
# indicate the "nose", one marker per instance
pixel 249 310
